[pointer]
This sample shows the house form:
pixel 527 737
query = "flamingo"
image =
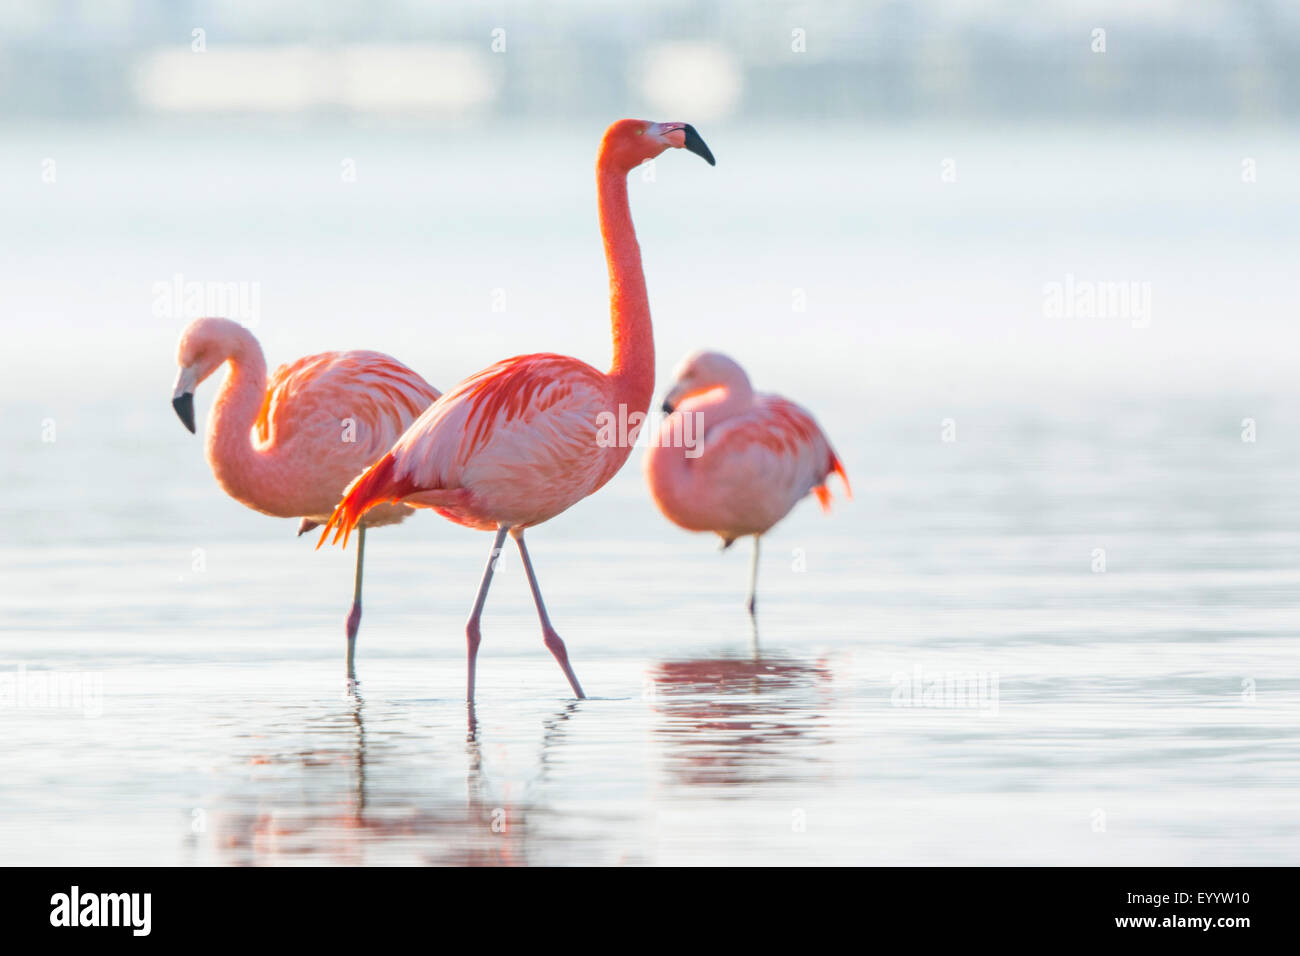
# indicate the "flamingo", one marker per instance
pixel 519 442
pixel 754 456
pixel 288 447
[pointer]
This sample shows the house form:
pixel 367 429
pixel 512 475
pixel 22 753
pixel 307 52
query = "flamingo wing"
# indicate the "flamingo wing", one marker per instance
pixel 362 398
pixel 769 458
pixel 526 413
pixel 516 438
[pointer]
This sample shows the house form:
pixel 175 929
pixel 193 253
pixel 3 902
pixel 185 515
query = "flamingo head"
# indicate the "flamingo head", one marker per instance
pixel 629 142
pixel 203 347
pixel 702 372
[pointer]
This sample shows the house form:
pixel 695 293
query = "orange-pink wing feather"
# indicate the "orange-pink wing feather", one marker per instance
pixel 365 396
pixel 513 444
pixel 787 438
pixel 753 468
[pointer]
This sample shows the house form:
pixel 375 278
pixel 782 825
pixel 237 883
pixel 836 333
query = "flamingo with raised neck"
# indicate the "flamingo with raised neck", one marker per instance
pixel 752 459
pixel 288 447
pixel 518 443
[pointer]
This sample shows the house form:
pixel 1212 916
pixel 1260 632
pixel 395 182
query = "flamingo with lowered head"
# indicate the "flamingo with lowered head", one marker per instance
pixel 754 456
pixel 288 447
pixel 519 442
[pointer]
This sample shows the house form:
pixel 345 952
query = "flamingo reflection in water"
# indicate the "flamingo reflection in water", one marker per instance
pixel 353 800
pixel 742 720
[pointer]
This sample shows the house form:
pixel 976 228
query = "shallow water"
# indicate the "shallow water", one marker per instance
pixel 1144 713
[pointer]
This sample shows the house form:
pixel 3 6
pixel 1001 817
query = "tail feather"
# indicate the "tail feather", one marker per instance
pixel 823 493
pixel 837 466
pixel 374 486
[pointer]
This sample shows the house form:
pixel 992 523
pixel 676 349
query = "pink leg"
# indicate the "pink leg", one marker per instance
pixel 472 633
pixel 753 580
pixel 549 637
pixel 354 616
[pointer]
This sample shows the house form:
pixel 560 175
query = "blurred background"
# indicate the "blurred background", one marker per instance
pixel 1031 265
pixel 921 173
pixel 1217 59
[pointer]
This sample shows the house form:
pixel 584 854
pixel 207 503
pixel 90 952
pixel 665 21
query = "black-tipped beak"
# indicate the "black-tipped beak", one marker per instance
pixel 667 407
pixel 184 405
pixel 696 145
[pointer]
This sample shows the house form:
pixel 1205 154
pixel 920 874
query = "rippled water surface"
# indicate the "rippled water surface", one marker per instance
pixel 1098 557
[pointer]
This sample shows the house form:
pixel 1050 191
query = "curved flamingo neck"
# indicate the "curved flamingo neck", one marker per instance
pixel 239 467
pixel 724 401
pixel 633 368
pixel 668 463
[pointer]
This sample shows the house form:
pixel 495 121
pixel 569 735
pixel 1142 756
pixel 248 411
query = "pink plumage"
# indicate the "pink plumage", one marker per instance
pixel 288 446
pixel 519 442
pixel 732 461
pixel 513 445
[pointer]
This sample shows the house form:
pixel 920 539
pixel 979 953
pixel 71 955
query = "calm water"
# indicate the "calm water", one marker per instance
pixel 1144 713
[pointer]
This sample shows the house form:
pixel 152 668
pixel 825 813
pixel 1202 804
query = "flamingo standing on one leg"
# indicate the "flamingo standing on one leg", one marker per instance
pixel 751 457
pixel 289 447
pixel 520 442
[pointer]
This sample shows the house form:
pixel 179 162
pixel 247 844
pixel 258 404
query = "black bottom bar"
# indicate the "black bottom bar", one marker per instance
pixel 1222 906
